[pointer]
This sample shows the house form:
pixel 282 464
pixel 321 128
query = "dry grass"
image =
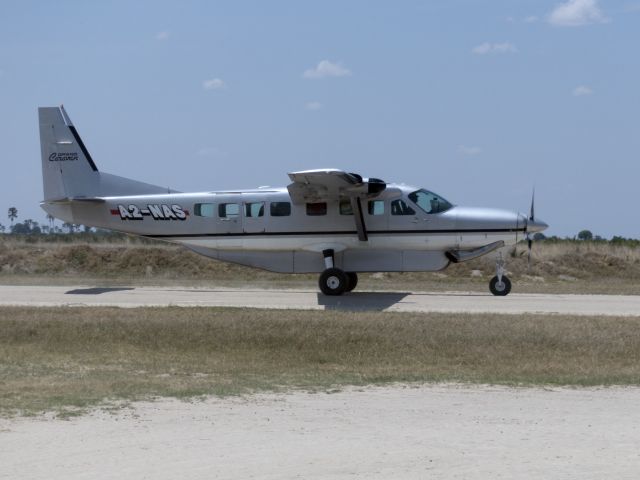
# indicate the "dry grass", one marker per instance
pixel 568 267
pixel 59 358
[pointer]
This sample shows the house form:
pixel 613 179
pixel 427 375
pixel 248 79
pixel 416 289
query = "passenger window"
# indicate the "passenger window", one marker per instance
pixel 254 209
pixel 280 209
pixel 376 207
pixel 316 209
pixel 203 209
pixel 228 210
pixel 398 207
pixel 345 207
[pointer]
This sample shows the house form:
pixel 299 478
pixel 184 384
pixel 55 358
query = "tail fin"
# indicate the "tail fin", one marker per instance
pixel 69 172
pixel 67 167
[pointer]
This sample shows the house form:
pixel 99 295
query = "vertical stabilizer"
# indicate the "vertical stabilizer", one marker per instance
pixel 67 167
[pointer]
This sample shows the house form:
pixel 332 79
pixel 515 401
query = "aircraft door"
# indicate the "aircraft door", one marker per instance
pixel 254 220
pixel 404 217
pixel 229 218
pixel 376 215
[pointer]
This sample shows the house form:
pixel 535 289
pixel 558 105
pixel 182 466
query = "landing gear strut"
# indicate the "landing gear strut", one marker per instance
pixel 500 285
pixel 334 281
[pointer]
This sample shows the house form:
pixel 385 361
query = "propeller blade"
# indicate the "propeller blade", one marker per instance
pixel 532 214
pixel 533 198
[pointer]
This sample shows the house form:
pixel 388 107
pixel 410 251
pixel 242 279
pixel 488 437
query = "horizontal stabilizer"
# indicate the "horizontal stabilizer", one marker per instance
pixel 70 200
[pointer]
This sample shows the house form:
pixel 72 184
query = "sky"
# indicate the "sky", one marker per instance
pixel 479 101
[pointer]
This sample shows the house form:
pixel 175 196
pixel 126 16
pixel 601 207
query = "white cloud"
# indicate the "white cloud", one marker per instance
pixel 494 48
pixel 162 35
pixel 582 90
pixel 213 84
pixel 313 106
pixel 326 69
pixel 575 13
pixel 531 19
pixel 470 151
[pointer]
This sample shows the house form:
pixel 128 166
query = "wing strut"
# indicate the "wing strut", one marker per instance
pixel 332 185
pixel 356 206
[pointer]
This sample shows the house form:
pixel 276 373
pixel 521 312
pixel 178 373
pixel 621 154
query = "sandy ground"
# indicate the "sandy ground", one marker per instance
pixel 301 299
pixel 385 432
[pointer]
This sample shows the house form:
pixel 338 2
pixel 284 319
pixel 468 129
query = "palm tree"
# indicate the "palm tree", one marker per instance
pixel 13 214
pixel 50 218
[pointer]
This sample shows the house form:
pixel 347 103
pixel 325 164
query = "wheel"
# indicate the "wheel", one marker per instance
pixel 353 281
pixel 333 281
pixel 500 288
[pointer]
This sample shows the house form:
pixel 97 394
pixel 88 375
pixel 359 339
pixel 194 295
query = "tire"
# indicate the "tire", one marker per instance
pixel 498 289
pixel 353 281
pixel 333 281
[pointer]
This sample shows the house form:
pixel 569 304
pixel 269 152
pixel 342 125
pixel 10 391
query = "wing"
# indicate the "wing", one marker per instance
pixel 331 184
pixel 323 185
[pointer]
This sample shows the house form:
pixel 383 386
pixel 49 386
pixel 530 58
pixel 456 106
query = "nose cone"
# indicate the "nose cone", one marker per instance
pixel 486 218
pixel 534 226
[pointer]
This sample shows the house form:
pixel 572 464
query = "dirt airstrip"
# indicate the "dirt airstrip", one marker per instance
pixel 441 431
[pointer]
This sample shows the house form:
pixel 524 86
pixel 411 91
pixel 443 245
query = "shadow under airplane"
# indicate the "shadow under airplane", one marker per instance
pixel 361 300
pixel 96 290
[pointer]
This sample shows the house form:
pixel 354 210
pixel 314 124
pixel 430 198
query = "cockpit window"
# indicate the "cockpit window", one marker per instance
pixel 429 201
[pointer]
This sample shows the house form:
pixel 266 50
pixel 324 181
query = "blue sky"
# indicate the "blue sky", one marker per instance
pixel 477 101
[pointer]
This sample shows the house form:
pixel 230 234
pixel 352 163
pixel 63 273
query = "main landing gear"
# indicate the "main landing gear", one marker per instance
pixel 500 285
pixel 334 281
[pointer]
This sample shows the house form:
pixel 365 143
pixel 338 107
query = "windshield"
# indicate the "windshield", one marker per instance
pixel 429 201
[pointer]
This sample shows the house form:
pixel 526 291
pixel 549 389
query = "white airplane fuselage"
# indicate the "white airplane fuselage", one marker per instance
pixel 293 242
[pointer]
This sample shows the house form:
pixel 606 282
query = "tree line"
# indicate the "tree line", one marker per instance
pixel 32 227
pixel 588 236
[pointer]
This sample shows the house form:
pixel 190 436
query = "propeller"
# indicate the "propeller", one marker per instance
pixel 532 226
pixel 527 233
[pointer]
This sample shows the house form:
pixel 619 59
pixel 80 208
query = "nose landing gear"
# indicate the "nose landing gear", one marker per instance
pixel 500 285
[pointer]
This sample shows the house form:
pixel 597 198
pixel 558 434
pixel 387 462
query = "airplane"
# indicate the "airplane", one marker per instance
pixel 326 221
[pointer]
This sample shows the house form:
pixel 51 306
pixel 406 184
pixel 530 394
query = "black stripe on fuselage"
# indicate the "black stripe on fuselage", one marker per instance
pixel 86 153
pixel 340 232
